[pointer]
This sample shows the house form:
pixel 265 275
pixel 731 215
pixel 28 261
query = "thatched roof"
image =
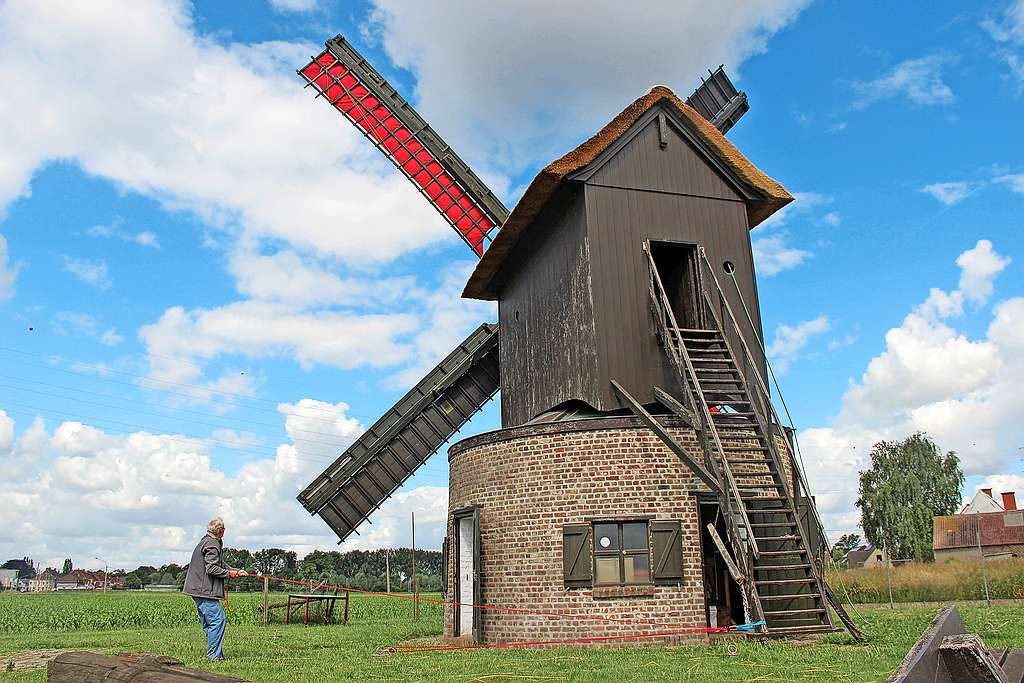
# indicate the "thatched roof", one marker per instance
pixel 771 196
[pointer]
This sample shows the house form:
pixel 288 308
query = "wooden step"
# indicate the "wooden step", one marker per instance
pixel 781 567
pixel 777 538
pixel 791 525
pixel 776 582
pixel 782 553
pixel 741 449
pixel 799 630
pixel 791 612
pixel 794 596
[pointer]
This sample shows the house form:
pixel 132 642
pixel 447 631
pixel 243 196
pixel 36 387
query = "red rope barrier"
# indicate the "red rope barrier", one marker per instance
pixel 495 608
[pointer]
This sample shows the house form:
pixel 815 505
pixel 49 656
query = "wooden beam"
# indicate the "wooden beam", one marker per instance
pixel 666 399
pixel 841 612
pixel 666 438
pixel 734 571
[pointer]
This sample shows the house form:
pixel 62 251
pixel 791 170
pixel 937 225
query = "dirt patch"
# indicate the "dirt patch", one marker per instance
pixel 28 660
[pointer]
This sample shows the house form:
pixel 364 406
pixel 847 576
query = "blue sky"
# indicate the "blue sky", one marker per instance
pixel 209 283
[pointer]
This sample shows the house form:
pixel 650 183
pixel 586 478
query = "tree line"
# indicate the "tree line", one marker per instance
pixel 362 569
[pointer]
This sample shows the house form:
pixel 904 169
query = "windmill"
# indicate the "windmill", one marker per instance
pixel 615 329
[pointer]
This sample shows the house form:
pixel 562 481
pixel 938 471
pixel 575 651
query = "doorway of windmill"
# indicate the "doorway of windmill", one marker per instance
pixel 678 269
pixel 722 596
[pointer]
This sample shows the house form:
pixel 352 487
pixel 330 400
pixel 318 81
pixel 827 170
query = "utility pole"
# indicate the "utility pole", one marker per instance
pixel 387 568
pixel 984 571
pixel 414 583
pixel 888 570
pixel 105 566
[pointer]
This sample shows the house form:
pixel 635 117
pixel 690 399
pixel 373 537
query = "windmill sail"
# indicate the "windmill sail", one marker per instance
pixel 718 101
pixel 397 444
pixel 347 81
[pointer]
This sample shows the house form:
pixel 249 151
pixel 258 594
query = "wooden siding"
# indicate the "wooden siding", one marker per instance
pixel 548 351
pixel 618 222
pixel 678 168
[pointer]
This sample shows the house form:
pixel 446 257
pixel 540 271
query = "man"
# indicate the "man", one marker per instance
pixel 205 584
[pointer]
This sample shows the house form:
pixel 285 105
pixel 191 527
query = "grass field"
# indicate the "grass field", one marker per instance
pixel 931 582
pixel 166 624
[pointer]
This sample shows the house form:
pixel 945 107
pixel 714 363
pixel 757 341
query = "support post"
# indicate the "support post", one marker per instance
pixel 387 568
pixel 266 600
pixel 666 438
pixel 734 571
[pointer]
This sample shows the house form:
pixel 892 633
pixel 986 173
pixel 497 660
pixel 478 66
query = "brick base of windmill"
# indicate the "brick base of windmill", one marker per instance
pixel 530 486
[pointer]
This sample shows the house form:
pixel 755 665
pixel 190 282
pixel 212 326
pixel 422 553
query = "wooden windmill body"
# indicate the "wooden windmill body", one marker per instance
pixel 639 455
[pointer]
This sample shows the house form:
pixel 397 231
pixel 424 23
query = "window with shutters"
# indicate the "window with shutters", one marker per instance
pixel 622 553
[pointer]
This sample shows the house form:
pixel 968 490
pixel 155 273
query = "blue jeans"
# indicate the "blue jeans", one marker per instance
pixel 211 616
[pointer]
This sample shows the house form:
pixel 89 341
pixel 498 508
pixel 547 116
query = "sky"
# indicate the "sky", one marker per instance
pixel 210 284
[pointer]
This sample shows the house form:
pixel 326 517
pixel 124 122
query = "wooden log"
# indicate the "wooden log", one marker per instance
pixel 89 667
pixel 967 659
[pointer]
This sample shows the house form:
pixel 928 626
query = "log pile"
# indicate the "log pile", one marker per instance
pixel 89 667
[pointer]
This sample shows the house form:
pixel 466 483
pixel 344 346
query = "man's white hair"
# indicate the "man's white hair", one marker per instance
pixel 214 525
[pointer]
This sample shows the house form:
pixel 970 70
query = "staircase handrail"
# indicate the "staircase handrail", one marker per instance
pixel 663 310
pixel 762 387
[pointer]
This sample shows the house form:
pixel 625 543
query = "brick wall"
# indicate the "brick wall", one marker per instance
pixel 528 486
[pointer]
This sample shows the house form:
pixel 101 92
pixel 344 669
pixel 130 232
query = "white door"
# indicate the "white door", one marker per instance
pixel 467 534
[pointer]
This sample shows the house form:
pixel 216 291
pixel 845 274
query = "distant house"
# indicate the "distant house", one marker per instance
pixel 8 579
pixel 983 501
pixel 998 533
pixel 866 555
pixel 44 581
pixel 79 579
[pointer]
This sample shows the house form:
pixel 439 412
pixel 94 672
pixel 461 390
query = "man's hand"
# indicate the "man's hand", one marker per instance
pixel 235 573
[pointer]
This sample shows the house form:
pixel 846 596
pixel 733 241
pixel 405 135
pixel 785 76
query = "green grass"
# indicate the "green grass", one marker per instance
pixel 932 582
pixel 166 624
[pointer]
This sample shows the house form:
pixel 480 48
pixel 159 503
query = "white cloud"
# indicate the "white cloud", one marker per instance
pixel 92 273
pixel 66 323
pixel 803 204
pixel 225 132
pixel 1014 182
pixel 919 81
pixel 773 255
pixel 962 391
pixel 1008 32
pixel 293 5
pixel 950 193
pixel 8 271
pixel 145 498
pixel 832 218
pixel 287 277
pixel 259 329
pixel 790 340
pixel 527 95
pixel 978 268
pixel 145 238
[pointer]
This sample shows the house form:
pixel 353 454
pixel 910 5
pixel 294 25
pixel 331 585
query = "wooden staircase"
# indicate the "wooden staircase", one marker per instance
pixel 785 578
pixel 737 427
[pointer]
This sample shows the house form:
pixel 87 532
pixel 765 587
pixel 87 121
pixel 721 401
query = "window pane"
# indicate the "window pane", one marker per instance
pixel 634 536
pixel 607 570
pixel 606 537
pixel 638 569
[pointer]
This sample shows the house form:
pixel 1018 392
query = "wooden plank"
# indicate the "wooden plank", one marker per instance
pixel 844 616
pixel 1013 665
pixel 734 571
pixel 966 658
pixel 665 399
pixel 667 438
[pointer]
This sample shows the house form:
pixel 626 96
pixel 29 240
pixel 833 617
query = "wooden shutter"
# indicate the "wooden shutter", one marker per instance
pixel 576 548
pixel 667 544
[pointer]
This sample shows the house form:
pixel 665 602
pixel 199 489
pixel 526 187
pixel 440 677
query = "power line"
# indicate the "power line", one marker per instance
pixel 152 405
pixel 143 378
pixel 190 438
